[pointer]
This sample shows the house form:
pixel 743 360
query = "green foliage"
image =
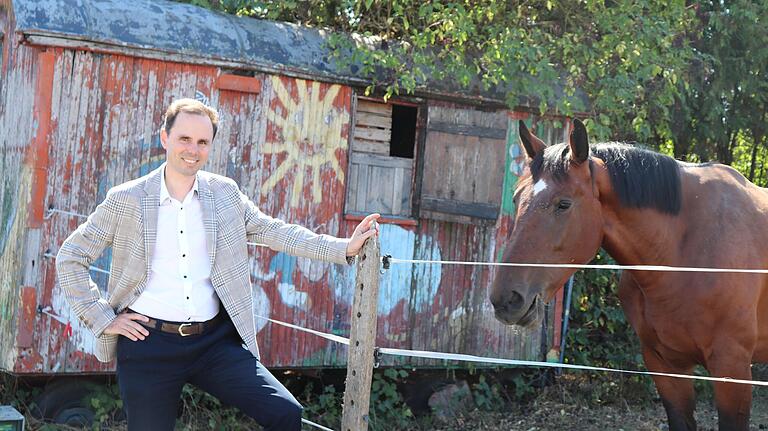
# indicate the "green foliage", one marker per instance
pixel 488 397
pixel 685 78
pixel 106 404
pixel 204 411
pixel 324 408
pixel 387 408
pixel 722 110
pixel 388 411
pixel 15 394
pixel 497 387
pixel 626 56
pixel 524 383
pixel 599 334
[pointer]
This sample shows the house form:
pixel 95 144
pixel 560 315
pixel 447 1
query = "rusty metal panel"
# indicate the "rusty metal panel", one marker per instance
pixel 175 28
pixel 144 23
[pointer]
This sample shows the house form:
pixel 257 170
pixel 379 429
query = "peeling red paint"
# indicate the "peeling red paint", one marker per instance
pixel 29 361
pixel 25 334
pixel 39 148
pixel 243 84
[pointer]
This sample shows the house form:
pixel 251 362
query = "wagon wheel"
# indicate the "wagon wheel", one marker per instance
pixel 63 401
pixel 417 391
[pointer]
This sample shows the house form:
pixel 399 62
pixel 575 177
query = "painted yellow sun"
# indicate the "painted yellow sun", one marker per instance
pixel 310 135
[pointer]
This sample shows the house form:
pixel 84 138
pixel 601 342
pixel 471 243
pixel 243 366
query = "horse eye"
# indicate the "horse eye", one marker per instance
pixel 563 205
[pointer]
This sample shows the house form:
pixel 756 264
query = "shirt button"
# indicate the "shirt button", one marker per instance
pixel 183 255
pixel 182 231
pixel 185 276
pixel 187 297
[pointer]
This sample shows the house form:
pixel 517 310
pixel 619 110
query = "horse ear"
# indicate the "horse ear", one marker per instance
pixel 578 142
pixel 530 142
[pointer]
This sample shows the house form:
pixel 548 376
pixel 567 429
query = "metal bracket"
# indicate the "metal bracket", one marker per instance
pixel 385 261
pixel 376 357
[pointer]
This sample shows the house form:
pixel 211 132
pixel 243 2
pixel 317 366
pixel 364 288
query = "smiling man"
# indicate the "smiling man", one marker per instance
pixel 178 307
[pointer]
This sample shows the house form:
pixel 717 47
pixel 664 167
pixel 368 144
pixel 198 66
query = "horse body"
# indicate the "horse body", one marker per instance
pixel 572 203
pixel 684 319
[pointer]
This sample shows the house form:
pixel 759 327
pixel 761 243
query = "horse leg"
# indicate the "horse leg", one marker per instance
pixel 733 400
pixel 677 395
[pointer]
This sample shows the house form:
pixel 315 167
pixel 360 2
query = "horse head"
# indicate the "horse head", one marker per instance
pixel 558 219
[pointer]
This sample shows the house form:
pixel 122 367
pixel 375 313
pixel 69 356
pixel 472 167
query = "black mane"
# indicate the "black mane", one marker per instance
pixel 640 177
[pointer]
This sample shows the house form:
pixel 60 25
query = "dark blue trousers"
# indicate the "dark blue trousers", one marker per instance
pixel 152 372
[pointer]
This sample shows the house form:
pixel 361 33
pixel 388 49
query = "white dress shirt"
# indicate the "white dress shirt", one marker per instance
pixel 179 288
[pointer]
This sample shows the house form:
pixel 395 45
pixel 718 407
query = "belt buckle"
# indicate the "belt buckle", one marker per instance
pixel 181 332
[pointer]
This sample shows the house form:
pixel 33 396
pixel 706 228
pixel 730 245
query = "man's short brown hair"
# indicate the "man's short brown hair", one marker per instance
pixel 190 106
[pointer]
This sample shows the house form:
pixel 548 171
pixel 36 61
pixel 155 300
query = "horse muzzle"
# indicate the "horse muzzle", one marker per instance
pixel 514 309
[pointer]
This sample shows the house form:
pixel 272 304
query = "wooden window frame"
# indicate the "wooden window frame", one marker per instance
pixel 355 213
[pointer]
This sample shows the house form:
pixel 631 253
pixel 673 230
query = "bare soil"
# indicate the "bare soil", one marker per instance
pixel 556 408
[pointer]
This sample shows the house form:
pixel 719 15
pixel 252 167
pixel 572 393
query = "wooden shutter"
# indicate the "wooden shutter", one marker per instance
pixel 463 166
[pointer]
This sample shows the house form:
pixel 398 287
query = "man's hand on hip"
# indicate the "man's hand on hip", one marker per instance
pixel 362 232
pixel 126 324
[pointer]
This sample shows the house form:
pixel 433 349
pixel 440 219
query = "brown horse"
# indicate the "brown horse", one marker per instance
pixel 645 208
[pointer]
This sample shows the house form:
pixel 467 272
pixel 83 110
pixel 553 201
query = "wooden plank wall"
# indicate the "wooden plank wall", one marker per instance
pixel 106 110
pixel 373 127
pixel 18 85
pixel 468 324
pixel 286 143
pixel 379 184
pixel 441 307
pixel 300 177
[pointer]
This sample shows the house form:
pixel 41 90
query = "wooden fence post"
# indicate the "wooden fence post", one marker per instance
pixel 362 338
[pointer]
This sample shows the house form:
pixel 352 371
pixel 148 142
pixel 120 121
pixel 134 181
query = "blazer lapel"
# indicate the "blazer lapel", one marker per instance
pixel 149 204
pixel 209 215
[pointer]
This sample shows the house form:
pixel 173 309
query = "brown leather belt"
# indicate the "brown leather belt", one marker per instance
pixel 183 329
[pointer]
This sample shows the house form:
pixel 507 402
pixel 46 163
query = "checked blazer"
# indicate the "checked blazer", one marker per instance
pixel 127 221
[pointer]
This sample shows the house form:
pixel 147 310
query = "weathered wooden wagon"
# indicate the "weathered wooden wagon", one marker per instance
pixel 83 87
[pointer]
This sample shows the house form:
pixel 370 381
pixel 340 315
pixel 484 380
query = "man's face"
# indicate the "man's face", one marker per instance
pixel 187 145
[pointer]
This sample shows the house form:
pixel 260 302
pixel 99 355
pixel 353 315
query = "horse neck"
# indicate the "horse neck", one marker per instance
pixel 637 236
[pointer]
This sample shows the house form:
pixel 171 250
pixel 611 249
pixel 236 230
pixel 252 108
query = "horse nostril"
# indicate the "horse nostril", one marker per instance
pixel 515 301
pixel 512 303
